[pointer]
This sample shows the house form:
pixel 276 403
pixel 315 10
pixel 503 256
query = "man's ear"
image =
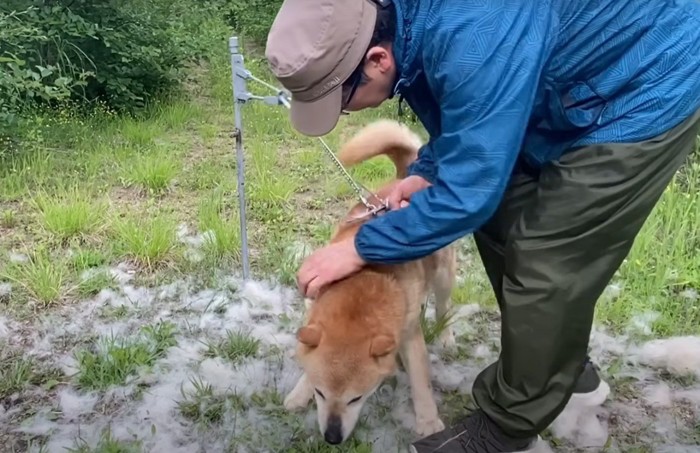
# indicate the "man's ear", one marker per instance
pixel 381 57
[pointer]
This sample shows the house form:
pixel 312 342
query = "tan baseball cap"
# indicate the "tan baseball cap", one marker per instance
pixel 312 48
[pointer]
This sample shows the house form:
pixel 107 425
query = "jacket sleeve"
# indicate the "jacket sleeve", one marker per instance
pixel 484 73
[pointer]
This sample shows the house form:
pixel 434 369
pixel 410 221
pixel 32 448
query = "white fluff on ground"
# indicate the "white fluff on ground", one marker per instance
pixel 147 406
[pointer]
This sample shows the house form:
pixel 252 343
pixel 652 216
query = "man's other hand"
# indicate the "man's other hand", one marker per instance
pixel 401 194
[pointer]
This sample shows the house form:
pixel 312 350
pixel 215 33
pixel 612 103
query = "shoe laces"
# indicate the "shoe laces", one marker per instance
pixel 479 436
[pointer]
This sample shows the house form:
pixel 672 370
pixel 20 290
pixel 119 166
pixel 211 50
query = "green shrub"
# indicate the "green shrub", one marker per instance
pixel 252 18
pixel 26 77
pixel 122 53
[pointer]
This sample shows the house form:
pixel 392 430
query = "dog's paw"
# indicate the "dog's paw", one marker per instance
pixel 296 401
pixel 447 339
pixel 428 426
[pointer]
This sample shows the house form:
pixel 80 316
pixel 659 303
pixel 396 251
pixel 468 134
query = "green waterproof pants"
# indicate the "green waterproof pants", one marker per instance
pixel 550 250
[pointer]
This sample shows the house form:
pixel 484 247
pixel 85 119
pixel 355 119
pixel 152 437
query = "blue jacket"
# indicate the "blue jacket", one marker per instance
pixel 492 80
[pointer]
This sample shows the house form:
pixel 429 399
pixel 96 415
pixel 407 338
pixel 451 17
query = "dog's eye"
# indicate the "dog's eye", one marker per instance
pixel 355 400
pixel 320 394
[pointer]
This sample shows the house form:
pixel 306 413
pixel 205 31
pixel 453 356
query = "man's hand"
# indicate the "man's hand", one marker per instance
pixel 400 195
pixel 327 265
pixel 339 260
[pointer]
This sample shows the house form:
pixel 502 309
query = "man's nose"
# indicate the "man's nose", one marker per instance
pixel 334 430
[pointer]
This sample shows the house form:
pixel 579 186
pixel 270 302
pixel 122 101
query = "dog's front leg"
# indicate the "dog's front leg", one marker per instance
pixel 443 284
pixel 414 356
pixel 300 396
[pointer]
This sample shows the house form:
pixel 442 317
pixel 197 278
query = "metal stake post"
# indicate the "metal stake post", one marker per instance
pixel 240 96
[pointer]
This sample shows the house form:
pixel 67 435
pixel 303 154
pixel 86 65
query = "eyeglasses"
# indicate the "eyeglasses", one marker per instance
pixel 349 88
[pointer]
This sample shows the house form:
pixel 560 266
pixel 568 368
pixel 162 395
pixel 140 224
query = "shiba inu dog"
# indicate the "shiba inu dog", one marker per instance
pixel 355 329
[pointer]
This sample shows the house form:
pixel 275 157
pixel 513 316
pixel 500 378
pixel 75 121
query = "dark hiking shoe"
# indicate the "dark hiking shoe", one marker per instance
pixel 475 434
pixel 589 380
pixel 590 389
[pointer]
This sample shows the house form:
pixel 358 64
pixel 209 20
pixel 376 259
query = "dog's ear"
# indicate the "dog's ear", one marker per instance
pixel 310 335
pixel 382 345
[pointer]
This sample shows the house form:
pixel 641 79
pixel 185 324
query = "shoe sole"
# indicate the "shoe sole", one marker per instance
pixel 595 398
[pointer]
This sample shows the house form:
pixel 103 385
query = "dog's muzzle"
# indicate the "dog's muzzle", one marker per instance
pixel 334 430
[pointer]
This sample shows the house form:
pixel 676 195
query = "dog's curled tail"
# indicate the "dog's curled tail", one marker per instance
pixel 387 137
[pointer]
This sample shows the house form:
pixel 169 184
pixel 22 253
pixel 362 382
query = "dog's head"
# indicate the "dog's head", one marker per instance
pixel 349 346
pixel 343 374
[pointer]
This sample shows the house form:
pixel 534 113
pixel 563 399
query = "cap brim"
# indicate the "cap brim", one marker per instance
pixel 318 117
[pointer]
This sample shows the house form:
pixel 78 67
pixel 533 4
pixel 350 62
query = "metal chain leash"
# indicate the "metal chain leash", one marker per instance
pixel 364 194
pixel 369 199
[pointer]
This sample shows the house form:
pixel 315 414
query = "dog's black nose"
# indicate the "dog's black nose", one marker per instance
pixel 334 430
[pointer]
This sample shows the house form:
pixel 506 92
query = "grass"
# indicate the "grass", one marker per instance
pixel 221 223
pixel 95 283
pixel 208 409
pixel 149 241
pixel 153 172
pixel 113 360
pixel 69 213
pixel 432 327
pixel 8 219
pixel 662 272
pixel 205 407
pixel 87 258
pixel 19 372
pixel 236 347
pixel 42 278
pixel 16 374
pixel 107 444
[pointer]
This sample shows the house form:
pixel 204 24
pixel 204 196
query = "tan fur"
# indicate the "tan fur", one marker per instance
pixel 386 137
pixel 356 327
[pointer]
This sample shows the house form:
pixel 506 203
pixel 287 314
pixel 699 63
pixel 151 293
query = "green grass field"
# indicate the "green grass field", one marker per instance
pixel 157 196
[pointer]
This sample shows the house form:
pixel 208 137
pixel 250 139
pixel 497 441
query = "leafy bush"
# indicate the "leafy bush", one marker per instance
pixel 122 53
pixel 252 18
pixel 29 78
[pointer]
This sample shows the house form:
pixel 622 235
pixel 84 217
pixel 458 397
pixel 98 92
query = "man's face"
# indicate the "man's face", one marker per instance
pixel 380 71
